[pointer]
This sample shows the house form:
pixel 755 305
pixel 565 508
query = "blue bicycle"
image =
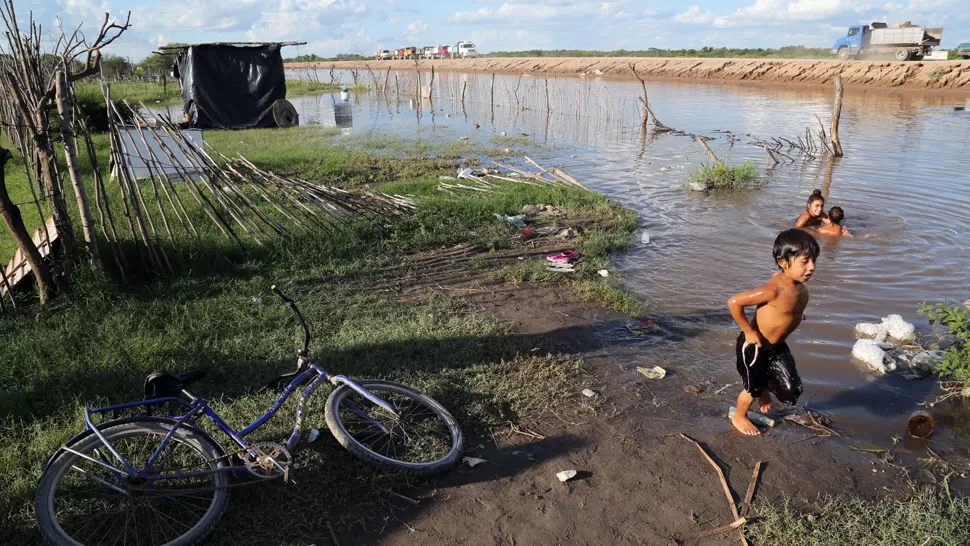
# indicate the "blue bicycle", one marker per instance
pixel 156 479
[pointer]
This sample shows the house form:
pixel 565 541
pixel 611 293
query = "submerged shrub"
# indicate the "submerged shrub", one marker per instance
pixel 722 176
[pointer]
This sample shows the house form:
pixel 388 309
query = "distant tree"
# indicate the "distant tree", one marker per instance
pixel 115 67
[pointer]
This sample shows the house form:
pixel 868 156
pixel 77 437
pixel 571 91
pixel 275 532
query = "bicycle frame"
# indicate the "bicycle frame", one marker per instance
pixel 197 407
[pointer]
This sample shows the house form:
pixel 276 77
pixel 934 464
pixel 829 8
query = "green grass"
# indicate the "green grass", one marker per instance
pixel 722 176
pixel 217 314
pixel 939 73
pixel 930 516
pixel 151 93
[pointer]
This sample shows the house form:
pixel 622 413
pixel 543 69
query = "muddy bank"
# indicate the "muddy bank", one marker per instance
pixel 637 484
pixel 942 75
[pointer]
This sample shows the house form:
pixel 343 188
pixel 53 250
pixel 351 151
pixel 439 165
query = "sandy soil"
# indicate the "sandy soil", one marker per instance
pixel 638 483
pixel 942 75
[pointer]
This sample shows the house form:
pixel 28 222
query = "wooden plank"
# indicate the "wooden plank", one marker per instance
pixel 18 269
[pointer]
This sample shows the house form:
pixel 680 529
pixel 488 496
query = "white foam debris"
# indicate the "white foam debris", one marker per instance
pixel 877 332
pixel 898 328
pixel 869 353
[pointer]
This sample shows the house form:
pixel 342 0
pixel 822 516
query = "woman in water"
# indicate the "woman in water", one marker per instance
pixel 814 215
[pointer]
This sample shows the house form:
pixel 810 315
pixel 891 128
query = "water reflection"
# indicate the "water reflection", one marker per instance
pixel 903 183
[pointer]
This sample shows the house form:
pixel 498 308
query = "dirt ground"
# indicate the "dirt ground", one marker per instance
pixel 636 483
pixel 940 75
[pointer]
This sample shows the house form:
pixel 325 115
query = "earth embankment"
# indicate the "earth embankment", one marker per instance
pixel 915 75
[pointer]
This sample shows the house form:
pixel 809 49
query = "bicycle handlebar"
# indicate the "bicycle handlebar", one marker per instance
pixel 299 315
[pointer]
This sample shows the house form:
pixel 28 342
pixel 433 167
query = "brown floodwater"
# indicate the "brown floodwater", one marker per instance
pixel 904 184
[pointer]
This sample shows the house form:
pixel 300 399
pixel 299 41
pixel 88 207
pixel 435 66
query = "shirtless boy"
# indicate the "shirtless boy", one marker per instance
pixel 835 228
pixel 764 361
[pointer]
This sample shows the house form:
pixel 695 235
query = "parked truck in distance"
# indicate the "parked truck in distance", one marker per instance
pixel 963 50
pixel 464 50
pixel 461 50
pixel 903 41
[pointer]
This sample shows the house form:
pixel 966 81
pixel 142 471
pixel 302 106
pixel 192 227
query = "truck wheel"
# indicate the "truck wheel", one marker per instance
pixel 902 54
pixel 844 53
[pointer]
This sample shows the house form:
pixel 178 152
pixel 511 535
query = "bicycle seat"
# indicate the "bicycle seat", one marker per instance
pixel 161 384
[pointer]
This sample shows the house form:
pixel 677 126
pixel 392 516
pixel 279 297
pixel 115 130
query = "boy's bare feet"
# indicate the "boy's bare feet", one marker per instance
pixel 744 425
pixel 764 402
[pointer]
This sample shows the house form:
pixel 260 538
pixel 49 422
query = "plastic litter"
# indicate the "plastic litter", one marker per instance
pixel 920 424
pixel 756 418
pixel 566 475
pixel 925 361
pixel 463 138
pixel 589 393
pixel 473 461
pixel 655 372
pixel 603 273
pixel 872 331
pixel 869 353
pixel 697 186
pixel 312 437
pixel 644 237
pixel 561 267
pixel 257 300
pixel 518 220
pixel 566 233
pixel 565 256
pixel 465 173
pixel 898 328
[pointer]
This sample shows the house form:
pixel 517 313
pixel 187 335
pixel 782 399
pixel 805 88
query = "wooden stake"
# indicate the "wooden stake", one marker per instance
pixel 65 115
pixel 836 114
pixel 724 484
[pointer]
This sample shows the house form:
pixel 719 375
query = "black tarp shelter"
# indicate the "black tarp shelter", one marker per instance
pixel 233 86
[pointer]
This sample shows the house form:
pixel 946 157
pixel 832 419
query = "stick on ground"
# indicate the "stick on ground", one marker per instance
pixel 737 523
pixel 724 484
pixel 746 505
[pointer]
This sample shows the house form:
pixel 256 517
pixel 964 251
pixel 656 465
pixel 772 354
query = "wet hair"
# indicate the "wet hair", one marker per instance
pixel 793 243
pixel 836 214
pixel 816 196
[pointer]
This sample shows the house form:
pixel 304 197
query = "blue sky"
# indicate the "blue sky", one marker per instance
pixel 363 26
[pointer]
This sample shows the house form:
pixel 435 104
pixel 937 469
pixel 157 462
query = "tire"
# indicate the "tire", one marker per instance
pixel 843 53
pixel 448 446
pixel 902 54
pixel 284 114
pixel 196 444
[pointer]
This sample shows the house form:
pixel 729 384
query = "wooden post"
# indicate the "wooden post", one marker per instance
pixel 836 114
pixel 491 97
pixel 463 84
pixel 65 117
pixel 15 222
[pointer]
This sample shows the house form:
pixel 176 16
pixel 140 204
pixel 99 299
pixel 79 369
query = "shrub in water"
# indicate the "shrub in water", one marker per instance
pixel 956 361
pixel 723 176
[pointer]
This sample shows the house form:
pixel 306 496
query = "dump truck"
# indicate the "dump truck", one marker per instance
pixel 963 50
pixel 903 41
pixel 464 50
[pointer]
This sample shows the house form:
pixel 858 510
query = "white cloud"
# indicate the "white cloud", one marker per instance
pixel 415 31
pixel 694 16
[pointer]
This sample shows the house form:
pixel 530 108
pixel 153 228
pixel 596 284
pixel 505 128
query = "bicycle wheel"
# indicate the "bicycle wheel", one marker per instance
pixel 82 503
pixel 423 439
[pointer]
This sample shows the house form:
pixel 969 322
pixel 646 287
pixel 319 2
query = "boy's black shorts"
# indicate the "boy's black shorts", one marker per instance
pixel 774 369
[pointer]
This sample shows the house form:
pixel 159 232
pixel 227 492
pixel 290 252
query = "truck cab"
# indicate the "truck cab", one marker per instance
pixel 852 43
pixel 465 50
pixel 963 50
pixel 428 52
pixel 383 54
